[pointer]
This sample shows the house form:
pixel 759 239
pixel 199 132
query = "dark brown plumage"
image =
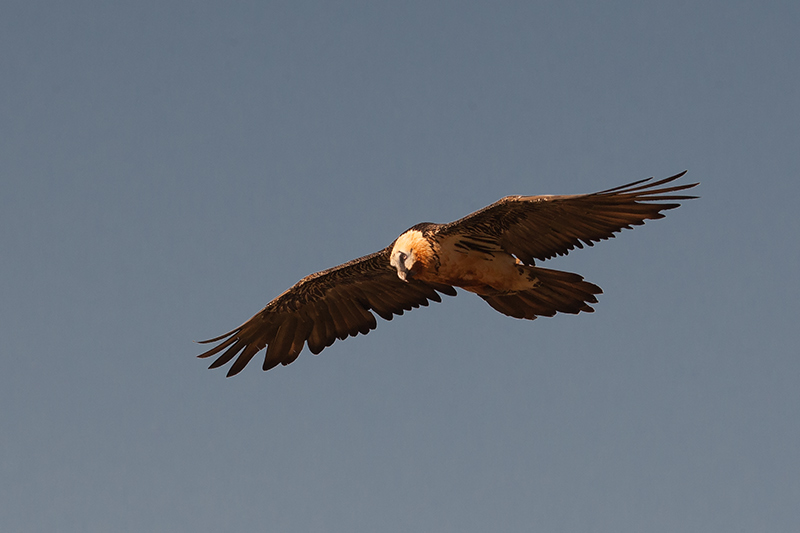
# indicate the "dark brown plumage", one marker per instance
pixel 490 252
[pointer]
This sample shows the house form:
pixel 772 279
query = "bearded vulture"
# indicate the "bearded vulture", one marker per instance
pixel 490 252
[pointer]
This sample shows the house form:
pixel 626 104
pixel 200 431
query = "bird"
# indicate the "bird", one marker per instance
pixel 491 252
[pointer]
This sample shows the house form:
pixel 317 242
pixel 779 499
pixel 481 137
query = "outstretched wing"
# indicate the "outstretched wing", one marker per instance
pixel 541 227
pixel 322 307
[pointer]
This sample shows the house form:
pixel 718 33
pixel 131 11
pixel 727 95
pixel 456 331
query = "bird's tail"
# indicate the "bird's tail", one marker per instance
pixel 555 292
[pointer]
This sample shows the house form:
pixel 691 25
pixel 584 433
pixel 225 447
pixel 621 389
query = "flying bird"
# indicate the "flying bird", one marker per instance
pixel 490 252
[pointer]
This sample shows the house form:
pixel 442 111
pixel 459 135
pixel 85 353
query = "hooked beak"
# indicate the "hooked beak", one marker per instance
pixel 404 273
pixel 399 262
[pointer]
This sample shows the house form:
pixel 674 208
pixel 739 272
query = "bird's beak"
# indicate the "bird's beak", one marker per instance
pixel 402 272
pixel 399 262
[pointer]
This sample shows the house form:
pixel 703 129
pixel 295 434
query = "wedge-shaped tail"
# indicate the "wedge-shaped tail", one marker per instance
pixel 555 292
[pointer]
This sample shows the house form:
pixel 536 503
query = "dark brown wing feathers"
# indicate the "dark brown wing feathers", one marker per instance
pixel 541 227
pixel 320 308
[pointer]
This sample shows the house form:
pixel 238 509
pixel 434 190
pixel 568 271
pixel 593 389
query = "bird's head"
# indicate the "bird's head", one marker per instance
pixel 403 260
pixel 409 254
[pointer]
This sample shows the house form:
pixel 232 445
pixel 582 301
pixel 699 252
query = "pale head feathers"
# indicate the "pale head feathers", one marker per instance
pixel 411 253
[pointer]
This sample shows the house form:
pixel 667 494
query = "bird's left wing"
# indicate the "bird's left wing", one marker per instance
pixel 541 227
pixel 334 303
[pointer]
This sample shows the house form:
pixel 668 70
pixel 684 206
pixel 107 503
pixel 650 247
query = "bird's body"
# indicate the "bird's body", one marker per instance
pixel 479 267
pixel 491 253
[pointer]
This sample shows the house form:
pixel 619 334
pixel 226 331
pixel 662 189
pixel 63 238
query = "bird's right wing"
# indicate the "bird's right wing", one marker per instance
pixel 322 307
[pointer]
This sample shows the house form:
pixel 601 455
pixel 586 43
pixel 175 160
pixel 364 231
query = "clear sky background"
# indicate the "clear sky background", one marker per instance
pixel 169 167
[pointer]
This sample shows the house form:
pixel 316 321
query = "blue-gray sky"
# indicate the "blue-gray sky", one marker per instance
pixel 169 167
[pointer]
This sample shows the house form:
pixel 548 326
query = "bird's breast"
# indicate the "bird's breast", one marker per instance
pixel 477 267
